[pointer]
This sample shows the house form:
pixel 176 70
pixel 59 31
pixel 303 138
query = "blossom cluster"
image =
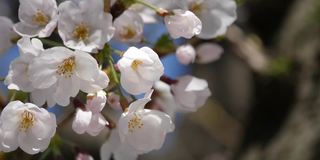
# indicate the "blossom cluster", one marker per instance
pixel 59 71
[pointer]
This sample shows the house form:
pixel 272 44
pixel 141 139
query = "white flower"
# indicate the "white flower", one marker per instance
pixel 83 25
pixel 186 54
pixel 27 126
pixel 113 147
pixel 143 129
pixel 6 34
pixel 90 119
pixel 129 27
pixel 60 73
pixel 183 24
pixel 191 92
pixel 18 77
pixel 37 18
pixel 208 52
pixel 215 15
pixel 139 68
pixel 165 98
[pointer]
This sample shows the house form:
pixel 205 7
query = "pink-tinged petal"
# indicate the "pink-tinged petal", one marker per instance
pixel 97 124
pixel 208 52
pixel 81 121
pixel 96 101
pixel 191 92
pixel 186 54
pixel 183 24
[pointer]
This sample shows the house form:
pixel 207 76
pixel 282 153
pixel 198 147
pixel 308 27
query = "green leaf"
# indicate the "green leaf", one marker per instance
pixel 164 45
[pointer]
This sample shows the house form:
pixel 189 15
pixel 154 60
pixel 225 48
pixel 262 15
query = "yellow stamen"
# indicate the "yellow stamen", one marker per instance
pixel 135 123
pixel 27 120
pixel 128 33
pixel 67 67
pixel 81 32
pixel 135 64
pixel 40 18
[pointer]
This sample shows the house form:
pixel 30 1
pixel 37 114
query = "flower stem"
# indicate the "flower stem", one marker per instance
pixel 106 51
pixel 113 70
pixel 160 11
pixel 118 52
pixel 13 96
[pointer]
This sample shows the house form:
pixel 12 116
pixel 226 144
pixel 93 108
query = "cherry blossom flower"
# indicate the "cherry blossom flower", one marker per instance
pixel 143 129
pixel 26 126
pixel 139 68
pixel 183 23
pixel 6 34
pixel 186 54
pixel 18 77
pixel 165 98
pixel 90 119
pixel 208 52
pixel 84 156
pixel 215 15
pixel 37 18
pixel 114 100
pixel 119 151
pixel 129 27
pixel 60 73
pixel 83 25
pixel 191 92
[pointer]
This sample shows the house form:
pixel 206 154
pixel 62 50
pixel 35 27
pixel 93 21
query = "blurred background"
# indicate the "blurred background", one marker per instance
pixel 266 89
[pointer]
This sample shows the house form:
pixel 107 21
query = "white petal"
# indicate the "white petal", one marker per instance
pixel 45 125
pixel 10 116
pixel 99 83
pixel 129 20
pixel 17 77
pixel 217 18
pixel 89 13
pixel 87 66
pixel 97 124
pixel 110 145
pixel 9 141
pixel 96 101
pixel 31 145
pixel 26 30
pixel 186 54
pixel 81 121
pixel 27 9
pixel 191 92
pixel 140 103
pixel 41 96
pixel 140 79
pixel 67 87
pixel 151 135
pixel 183 24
